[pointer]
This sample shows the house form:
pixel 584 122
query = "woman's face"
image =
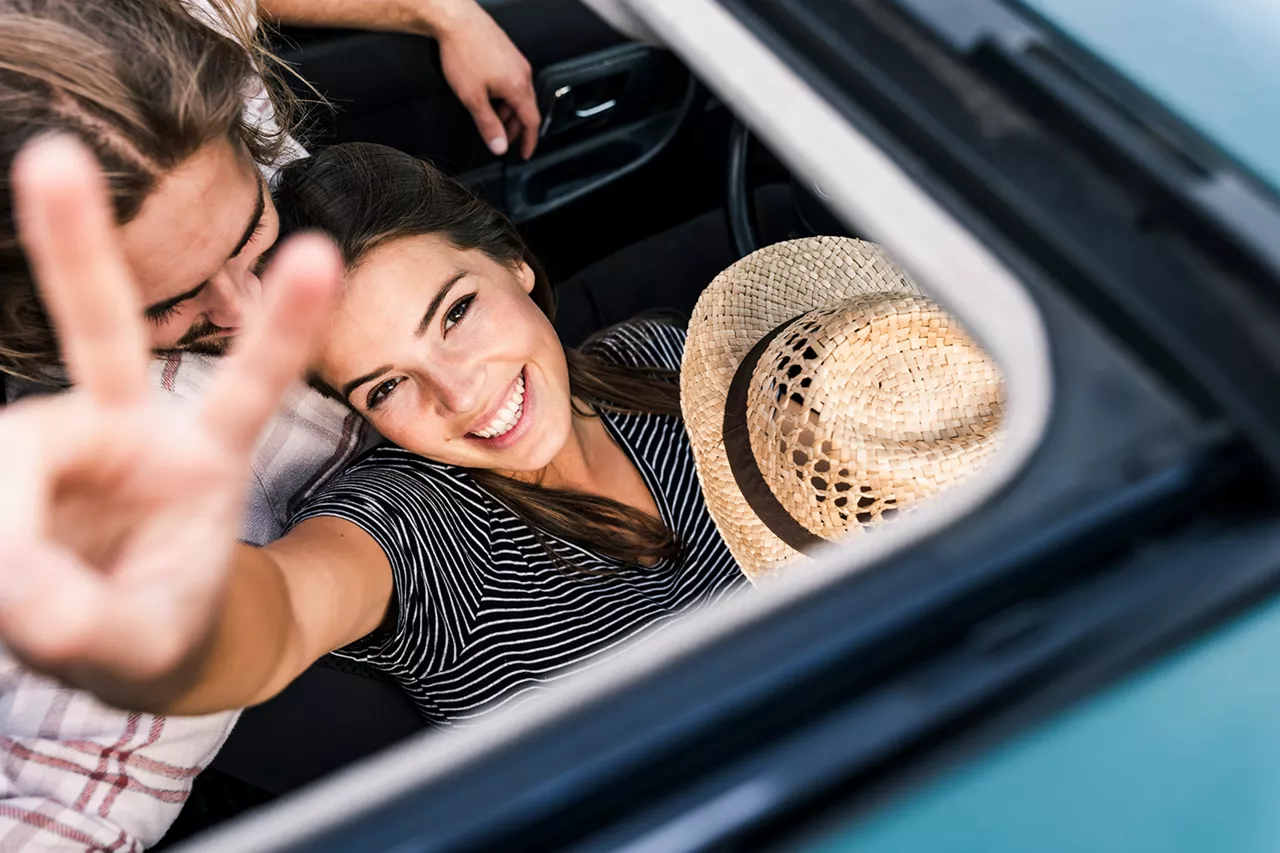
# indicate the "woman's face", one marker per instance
pixel 445 353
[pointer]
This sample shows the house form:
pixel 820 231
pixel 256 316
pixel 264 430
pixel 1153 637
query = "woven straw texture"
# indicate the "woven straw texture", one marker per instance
pixel 871 401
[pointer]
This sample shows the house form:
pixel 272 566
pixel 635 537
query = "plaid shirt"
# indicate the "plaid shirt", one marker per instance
pixel 77 775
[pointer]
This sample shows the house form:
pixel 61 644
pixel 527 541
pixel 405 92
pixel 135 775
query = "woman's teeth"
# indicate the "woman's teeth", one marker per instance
pixel 508 416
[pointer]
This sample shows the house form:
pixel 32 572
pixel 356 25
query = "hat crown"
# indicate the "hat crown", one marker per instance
pixel 780 475
pixel 859 409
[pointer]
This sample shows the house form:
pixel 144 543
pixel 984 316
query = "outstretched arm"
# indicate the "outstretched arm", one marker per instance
pixel 325 584
pixel 480 62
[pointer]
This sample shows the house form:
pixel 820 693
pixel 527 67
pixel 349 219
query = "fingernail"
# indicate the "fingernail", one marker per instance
pixel 498 145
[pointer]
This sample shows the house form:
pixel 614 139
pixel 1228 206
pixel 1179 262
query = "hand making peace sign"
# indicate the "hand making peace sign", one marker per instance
pixel 119 510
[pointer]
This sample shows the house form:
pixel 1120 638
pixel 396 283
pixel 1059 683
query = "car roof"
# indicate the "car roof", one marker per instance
pixel 1214 64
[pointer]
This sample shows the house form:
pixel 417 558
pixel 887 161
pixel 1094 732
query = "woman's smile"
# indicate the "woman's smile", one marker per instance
pixel 511 419
pixel 448 356
pixel 508 413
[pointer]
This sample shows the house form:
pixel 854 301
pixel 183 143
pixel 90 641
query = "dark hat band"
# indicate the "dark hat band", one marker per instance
pixel 743 463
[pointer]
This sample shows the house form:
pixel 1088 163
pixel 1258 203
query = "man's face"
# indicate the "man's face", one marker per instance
pixel 195 246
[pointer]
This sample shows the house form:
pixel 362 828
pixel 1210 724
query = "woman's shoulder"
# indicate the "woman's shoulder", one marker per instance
pixel 388 482
pixel 387 458
pixel 654 339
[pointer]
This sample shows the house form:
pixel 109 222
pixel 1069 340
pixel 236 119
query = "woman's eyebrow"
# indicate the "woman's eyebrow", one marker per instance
pixel 436 302
pixel 360 380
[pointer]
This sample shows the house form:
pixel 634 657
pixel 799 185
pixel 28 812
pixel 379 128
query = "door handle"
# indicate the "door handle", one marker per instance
pixel 597 109
pixel 564 113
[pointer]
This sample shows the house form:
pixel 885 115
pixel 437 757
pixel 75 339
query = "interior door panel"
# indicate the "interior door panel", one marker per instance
pixel 610 106
pixel 388 87
pixel 605 115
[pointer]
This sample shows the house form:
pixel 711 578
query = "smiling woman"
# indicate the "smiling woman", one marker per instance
pixel 541 511
pixel 476 377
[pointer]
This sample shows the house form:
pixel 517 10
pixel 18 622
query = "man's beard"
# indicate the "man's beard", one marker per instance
pixel 203 338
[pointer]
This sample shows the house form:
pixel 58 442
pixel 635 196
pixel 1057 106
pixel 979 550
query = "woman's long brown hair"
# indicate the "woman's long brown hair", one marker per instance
pixel 363 196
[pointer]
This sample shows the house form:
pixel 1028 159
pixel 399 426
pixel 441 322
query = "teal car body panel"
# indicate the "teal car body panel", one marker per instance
pixel 1181 758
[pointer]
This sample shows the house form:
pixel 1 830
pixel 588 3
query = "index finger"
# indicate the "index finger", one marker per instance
pixel 527 109
pixel 273 352
pixel 67 230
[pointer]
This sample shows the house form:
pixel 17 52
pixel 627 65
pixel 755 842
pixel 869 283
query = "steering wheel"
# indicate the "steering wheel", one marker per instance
pixel 811 212
pixel 740 209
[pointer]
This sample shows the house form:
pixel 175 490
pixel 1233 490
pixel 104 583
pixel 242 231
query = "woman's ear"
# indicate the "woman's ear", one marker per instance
pixel 525 274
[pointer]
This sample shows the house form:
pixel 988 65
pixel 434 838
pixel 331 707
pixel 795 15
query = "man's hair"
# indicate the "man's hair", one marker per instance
pixel 143 83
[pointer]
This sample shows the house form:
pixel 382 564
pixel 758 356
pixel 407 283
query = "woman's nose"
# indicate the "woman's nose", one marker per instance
pixel 458 396
pixel 457 385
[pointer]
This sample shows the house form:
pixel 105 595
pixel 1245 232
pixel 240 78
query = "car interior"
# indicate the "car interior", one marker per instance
pixel 1153 299
pixel 626 202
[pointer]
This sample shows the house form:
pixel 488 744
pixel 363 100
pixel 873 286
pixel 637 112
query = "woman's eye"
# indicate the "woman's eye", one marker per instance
pixel 381 392
pixel 457 311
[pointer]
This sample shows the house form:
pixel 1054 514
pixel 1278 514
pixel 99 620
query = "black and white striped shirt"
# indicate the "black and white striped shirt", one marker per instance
pixel 483 614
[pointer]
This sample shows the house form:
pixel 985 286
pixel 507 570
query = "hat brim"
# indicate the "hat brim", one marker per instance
pixel 742 304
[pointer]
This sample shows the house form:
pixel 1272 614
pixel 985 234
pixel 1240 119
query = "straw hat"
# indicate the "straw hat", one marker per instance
pixel 824 394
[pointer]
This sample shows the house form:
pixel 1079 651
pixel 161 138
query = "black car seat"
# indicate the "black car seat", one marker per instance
pixel 336 712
